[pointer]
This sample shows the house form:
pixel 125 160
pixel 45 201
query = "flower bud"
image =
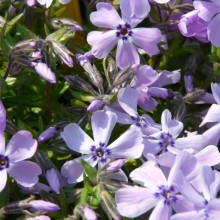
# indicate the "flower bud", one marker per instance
pixel 95 105
pixel 41 205
pixel 89 214
pixel 115 165
pixel 47 134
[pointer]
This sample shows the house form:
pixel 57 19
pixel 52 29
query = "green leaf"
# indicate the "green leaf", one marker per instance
pixel 57 35
pixel 83 96
pixel 90 171
pixel 26 33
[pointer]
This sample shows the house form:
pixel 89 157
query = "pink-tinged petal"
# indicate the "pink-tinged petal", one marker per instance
pixel 76 139
pixel 187 190
pixel 53 180
pixel 147 39
pixel 25 173
pixel 167 78
pixel 194 215
pixel 182 204
pixel 149 176
pixel 21 146
pixel 3 178
pixel 43 70
pixel 2 117
pixel 212 134
pixel 161 211
pixel 126 54
pixel 213 35
pixel 145 76
pixel 216 92
pixel 127 103
pixel 209 156
pixel 106 16
pixel 170 125
pixel 213 115
pixel 2 143
pixel 196 142
pixel 134 201
pixel 146 102
pixel 207 10
pixel 72 170
pixel 131 8
pixel 103 123
pixel 128 145
pixel 102 42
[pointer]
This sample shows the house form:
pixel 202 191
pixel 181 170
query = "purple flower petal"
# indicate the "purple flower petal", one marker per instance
pixel 212 135
pixel 102 42
pixel 146 102
pixel 2 117
pixel 128 145
pixel 126 54
pixel 76 139
pixel 214 211
pixel 41 205
pixel 2 145
pixel 149 176
pixel 64 1
pixel 103 123
pixel 53 180
pixel 213 35
pixel 216 92
pixel 213 115
pixel 21 146
pixel 189 215
pixel 3 178
pixel 25 173
pixel 89 214
pixel 131 8
pixel 101 18
pixel 43 70
pixel 161 211
pixel 134 201
pixel 147 39
pixel 127 103
pixel 208 156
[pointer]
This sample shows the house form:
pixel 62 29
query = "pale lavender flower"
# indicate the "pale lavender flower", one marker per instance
pixel 13 160
pixel 191 25
pixel 31 3
pixel 122 31
pixel 47 134
pixel 167 139
pixel 206 206
pixel 41 205
pixel 209 11
pixel 158 191
pixel 213 114
pixel 89 214
pixel 115 165
pixel 128 145
pixel 2 117
pixel 53 180
pixel 95 105
pixel 148 83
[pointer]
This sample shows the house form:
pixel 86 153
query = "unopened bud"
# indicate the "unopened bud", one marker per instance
pixel 188 81
pixel 47 134
pixel 41 205
pixel 95 105
pixel 115 165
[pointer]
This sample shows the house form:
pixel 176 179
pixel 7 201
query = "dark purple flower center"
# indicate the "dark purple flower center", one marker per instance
pixel 139 121
pixel 166 140
pixel 100 153
pixel 167 193
pixel 124 31
pixel 4 162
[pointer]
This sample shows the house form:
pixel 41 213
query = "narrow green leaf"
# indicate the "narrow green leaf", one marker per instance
pixel 90 171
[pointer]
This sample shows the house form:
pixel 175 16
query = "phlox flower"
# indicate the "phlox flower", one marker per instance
pixel 97 151
pixel 122 31
pixel 206 205
pixel 209 11
pixel 156 190
pixel 13 159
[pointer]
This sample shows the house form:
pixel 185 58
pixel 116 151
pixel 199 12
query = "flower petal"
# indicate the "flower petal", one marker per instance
pixel 21 146
pixel 134 201
pixel 3 178
pixel 216 92
pixel 25 173
pixel 213 115
pixel 147 39
pixel 102 42
pixel 212 135
pixel 126 54
pixel 103 123
pixel 2 117
pixel 128 145
pixel 149 176
pixel 2 143
pixel 76 139
pixel 213 35
pixel 101 18
pixel 124 98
